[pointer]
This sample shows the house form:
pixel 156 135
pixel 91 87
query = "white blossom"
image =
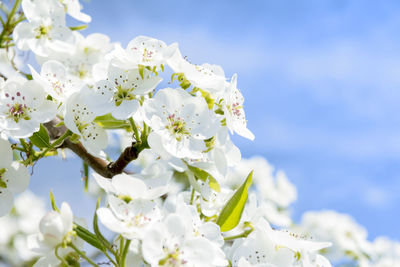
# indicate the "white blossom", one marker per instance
pixel 207 77
pixel 234 111
pixel 45 29
pixel 79 118
pixel 168 243
pixel 142 50
pixel 180 122
pixel 120 93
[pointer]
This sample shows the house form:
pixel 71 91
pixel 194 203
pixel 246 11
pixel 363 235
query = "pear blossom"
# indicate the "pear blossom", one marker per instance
pixel 120 93
pixel 350 238
pixel 55 227
pixel 207 77
pixel 180 122
pixel 23 106
pixel 168 243
pixel 55 80
pixel 56 231
pixel 45 29
pixel 14 177
pixel 86 60
pixel 142 50
pixel 233 110
pixel 79 118
pixel 130 218
pixel 268 247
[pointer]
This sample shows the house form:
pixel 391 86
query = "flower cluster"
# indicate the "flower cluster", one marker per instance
pixel 191 200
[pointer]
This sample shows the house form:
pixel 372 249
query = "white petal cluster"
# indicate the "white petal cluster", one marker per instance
pixel 55 231
pixel 187 199
pixel 23 106
pixel 268 247
pixel 181 123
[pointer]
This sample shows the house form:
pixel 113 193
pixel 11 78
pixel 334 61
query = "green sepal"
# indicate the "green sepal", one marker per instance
pixel 53 202
pixel 78 28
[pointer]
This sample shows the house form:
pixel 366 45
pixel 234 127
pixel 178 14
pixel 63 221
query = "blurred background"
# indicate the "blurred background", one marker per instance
pixel 321 82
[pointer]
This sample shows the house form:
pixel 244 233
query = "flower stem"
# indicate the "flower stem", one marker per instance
pixel 135 129
pixel 124 253
pixel 244 234
pixel 8 27
pixel 58 256
pixel 82 254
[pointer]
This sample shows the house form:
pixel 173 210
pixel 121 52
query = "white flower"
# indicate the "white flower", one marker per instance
pixel 207 77
pixel 55 80
pixel 56 232
pixel 55 228
pixel 168 244
pixel 348 237
pixel 130 187
pixel 119 94
pixel 14 177
pixel 268 247
pixel 142 50
pixel 86 60
pixel 129 217
pixel 23 106
pixel 233 110
pixel 79 119
pixel 45 30
pixel 180 122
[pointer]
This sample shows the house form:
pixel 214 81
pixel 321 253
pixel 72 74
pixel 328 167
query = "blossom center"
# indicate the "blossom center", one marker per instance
pixel 235 109
pixel 122 94
pixel 172 258
pixel 177 127
pixel 42 31
pixel 147 55
pixel 18 111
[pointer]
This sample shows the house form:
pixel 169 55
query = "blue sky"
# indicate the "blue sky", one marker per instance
pixel 321 82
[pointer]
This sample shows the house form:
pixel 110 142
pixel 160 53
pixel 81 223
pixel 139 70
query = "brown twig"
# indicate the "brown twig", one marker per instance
pixel 99 165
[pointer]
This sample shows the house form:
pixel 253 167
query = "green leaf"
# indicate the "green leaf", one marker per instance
pixel 41 138
pixel 87 236
pixel 109 122
pixel 232 212
pixel 203 175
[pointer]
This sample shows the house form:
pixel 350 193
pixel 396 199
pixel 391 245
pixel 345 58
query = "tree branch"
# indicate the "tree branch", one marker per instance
pixel 99 165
